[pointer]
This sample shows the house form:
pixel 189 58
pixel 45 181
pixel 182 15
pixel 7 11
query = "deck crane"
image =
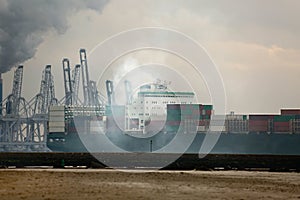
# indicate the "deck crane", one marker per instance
pixel 75 84
pixel 85 78
pixel 67 82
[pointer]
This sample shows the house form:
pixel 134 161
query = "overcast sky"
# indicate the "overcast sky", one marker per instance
pixel 255 44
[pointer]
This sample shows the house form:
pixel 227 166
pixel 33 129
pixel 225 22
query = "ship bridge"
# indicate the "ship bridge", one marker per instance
pixel 149 107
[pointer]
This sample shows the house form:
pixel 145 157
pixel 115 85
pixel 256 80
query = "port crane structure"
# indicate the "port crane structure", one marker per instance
pixel 24 124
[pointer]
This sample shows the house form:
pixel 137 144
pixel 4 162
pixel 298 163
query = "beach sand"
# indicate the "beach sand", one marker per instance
pixel 115 184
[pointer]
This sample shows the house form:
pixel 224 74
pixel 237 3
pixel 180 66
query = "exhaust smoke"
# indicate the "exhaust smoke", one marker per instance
pixel 23 24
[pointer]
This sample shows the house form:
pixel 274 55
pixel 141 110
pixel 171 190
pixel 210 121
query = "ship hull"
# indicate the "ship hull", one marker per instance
pixel 226 143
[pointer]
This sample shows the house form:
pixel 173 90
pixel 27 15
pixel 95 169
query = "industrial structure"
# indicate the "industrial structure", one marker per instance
pixel 45 122
pixel 24 124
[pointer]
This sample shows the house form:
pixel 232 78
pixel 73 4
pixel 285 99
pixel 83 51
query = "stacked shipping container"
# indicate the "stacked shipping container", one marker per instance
pixel 287 122
pixel 282 123
pixel 261 123
pixel 294 121
pixel 189 116
pixel 290 112
pixel 236 123
pixel 198 115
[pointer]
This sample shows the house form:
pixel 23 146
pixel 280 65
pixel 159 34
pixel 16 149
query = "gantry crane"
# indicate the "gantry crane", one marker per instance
pixel 23 125
pixel 110 92
pixel 15 119
pixel 46 97
pixel 75 84
pixel 13 100
pixel 42 101
pixel 95 99
pixel 67 82
pixel 85 78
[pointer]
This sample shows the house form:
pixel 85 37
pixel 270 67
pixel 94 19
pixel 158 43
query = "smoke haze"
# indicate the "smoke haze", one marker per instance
pixel 255 44
pixel 24 22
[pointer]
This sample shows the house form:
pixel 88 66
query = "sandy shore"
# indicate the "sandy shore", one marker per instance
pixel 112 184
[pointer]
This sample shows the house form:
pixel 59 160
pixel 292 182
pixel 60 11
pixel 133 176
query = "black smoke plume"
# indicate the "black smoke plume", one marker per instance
pixel 23 24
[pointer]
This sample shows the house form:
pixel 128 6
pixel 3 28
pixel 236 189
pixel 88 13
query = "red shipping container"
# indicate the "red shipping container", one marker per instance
pixel 258 125
pixel 258 122
pixel 261 117
pixel 202 122
pixel 208 112
pixel 281 126
pixel 290 111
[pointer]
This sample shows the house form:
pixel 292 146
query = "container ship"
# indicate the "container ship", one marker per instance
pixel 158 120
pixel 153 119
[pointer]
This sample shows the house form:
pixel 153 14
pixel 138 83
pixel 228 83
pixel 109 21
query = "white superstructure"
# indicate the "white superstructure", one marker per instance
pixel 150 106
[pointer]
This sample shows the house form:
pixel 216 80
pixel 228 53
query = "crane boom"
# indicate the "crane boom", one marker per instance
pixel 17 85
pixel 110 91
pixel 45 88
pixel 67 81
pixel 12 105
pixel 46 97
pixel 85 78
pixel 75 83
pixel 95 94
pixel 52 99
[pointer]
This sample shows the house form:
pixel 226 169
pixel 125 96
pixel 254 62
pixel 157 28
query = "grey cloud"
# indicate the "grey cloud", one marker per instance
pixel 269 13
pixel 268 22
pixel 23 24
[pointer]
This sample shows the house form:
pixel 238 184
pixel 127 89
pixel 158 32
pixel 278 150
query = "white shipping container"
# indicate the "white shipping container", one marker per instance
pixel 201 128
pixel 55 114
pixel 234 117
pixel 56 124
pixel 56 118
pixel 217 128
pixel 57 108
pixel 236 125
pixel 56 130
